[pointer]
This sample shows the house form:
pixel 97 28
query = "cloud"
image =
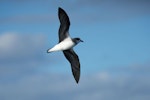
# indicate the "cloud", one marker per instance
pixel 97 11
pixel 27 19
pixel 102 85
pixel 109 10
pixel 22 54
pixel 19 47
pixel 134 69
pixel 99 2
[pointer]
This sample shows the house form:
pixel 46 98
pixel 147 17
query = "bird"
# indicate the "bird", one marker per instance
pixel 66 44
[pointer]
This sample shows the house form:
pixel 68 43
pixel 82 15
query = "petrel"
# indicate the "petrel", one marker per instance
pixel 66 44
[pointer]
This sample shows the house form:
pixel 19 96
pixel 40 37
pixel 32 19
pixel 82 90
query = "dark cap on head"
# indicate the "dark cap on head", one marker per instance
pixel 77 40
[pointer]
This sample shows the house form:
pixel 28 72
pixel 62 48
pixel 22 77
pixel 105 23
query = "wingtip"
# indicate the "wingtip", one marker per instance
pixel 60 9
pixel 77 78
pixel 77 81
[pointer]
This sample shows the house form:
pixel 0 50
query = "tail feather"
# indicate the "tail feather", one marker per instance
pixel 50 50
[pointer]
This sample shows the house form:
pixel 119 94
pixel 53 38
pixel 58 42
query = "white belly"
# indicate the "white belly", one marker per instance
pixel 64 45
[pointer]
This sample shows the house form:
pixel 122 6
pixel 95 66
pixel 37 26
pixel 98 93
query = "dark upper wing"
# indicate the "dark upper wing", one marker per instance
pixel 72 57
pixel 64 24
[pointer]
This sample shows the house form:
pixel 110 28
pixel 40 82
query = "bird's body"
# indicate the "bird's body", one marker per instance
pixel 66 44
pixel 63 45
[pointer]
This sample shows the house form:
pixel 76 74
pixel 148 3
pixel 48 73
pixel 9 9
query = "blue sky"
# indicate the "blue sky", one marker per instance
pixel 114 57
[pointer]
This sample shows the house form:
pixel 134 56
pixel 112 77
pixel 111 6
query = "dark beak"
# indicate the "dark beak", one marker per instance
pixel 81 41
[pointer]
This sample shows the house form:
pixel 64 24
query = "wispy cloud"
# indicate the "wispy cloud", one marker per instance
pixel 102 85
pixel 26 71
pixel 28 19
pixel 86 10
pixel 13 44
pixel 109 10
pixel 21 54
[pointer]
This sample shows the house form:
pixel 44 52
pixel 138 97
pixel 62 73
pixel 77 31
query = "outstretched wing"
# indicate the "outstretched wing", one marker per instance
pixel 72 57
pixel 64 24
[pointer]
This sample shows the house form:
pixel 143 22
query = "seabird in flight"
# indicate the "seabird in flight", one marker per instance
pixel 66 44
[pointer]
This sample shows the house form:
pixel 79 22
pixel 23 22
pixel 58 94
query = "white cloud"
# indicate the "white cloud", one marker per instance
pixel 6 41
pixel 13 44
pixel 21 54
pixel 47 86
pixel 20 82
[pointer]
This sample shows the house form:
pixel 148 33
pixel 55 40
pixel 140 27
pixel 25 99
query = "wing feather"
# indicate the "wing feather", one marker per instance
pixel 72 57
pixel 64 24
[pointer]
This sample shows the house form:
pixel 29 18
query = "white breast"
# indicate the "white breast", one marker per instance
pixel 64 45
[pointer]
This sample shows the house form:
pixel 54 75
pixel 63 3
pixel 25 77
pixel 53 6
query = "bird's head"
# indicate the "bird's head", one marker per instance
pixel 77 40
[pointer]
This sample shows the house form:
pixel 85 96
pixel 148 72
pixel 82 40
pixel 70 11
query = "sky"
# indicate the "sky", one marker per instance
pixel 114 57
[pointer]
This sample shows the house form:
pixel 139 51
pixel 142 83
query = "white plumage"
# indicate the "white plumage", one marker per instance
pixel 64 45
